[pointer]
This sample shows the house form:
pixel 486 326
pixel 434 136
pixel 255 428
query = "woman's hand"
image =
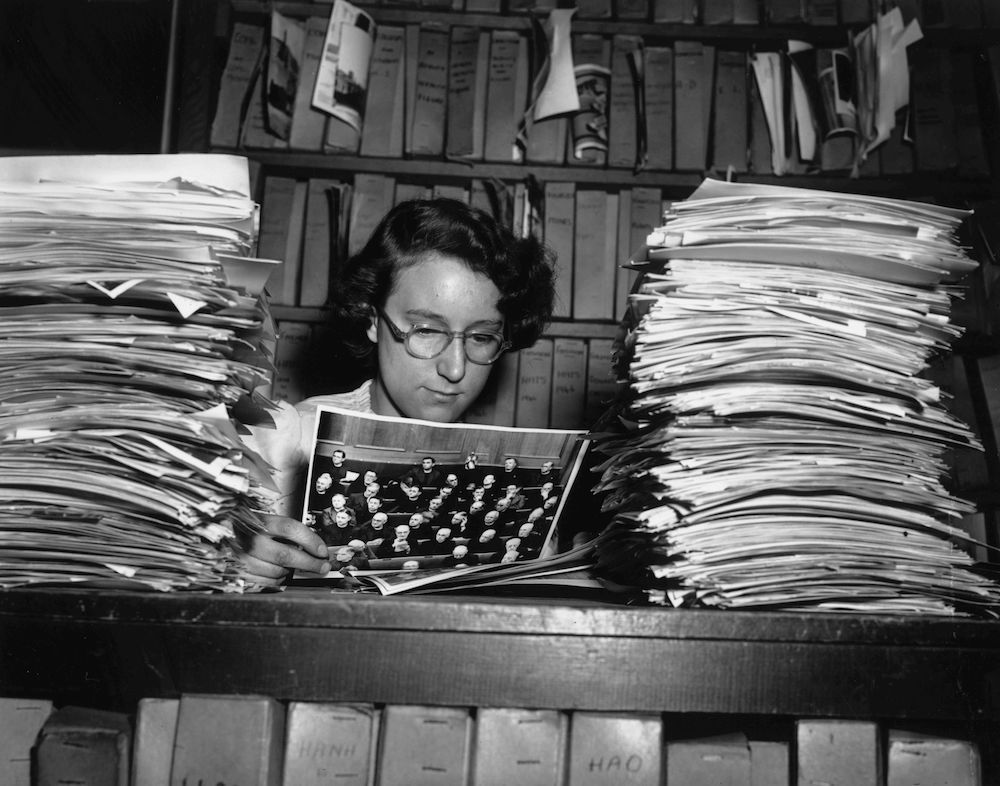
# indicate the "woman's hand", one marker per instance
pixel 268 558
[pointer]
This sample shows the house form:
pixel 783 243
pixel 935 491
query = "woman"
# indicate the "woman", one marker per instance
pixel 438 293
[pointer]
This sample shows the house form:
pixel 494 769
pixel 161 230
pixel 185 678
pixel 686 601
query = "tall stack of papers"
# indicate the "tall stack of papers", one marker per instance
pixel 779 446
pixel 131 327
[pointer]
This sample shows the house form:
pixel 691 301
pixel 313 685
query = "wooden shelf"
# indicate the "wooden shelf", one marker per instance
pixel 112 648
pixel 940 185
pixel 441 171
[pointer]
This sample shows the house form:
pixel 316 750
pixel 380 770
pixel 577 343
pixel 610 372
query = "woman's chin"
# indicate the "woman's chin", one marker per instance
pixel 421 403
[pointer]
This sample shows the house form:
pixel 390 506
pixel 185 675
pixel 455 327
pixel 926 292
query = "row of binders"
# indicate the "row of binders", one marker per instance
pixel 779 441
pixel 465 93
pixel 259 741
pixel 313 224
pixel 947 14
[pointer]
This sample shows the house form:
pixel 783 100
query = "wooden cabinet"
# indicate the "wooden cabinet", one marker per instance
pixel 110 649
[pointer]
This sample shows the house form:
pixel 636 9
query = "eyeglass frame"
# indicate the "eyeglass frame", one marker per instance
pixel 403 336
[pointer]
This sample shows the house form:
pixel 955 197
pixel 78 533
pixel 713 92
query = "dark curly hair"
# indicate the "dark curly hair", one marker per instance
pixel 521 268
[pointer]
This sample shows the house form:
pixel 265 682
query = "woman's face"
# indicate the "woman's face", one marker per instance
pixel 441 291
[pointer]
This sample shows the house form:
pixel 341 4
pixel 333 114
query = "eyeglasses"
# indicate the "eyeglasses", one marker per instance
pixel 423 341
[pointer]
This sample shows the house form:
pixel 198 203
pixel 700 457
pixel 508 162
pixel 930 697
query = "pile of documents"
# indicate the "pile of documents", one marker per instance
pixel 132 328
pixel 778 445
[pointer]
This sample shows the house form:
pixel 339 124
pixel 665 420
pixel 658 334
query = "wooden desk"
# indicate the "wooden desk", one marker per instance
pixel 110 649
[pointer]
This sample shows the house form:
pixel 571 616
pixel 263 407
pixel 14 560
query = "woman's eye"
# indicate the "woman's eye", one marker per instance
pixel 422 331
pixel 485 339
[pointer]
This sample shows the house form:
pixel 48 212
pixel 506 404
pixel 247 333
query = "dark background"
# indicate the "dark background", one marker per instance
pixel 83 75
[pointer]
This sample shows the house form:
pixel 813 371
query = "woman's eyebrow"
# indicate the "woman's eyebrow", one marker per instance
pixel 420 313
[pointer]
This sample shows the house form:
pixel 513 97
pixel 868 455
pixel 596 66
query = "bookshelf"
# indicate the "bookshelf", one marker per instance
pixel 765 36
pixel 204 43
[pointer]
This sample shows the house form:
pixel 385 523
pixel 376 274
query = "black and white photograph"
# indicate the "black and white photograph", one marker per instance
pixel 405 494
pixel 500 393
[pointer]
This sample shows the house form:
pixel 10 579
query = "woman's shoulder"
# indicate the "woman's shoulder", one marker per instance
pixel 287 443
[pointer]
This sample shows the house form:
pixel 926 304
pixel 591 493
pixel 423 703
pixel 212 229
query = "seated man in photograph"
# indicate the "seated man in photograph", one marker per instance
pixel 354 556
pixel 477 500
pixel 410 500
pixel 460 524
pixel 337 504
pixel 510 473
pixel 359 484
pixel 506 513
pixel 418 525
pixel 337 469
pixel 515 499
pixel 460 557
pixel 440 543
pixel 549 506
pixel 373 532
pixel 320 493
pixel 451 499
pixel 338 533
pixel 547 473
pixel 512 551
pixel 491 520
pixel 542 493
pixel 531 539
pixel 435 509
pixel 487 547
pixel 489 484
pixel 357 502
pixel 477 513
pixel 539 520
pixel 452 487
pixel 426 474
pixel 372 506
pixel 400 545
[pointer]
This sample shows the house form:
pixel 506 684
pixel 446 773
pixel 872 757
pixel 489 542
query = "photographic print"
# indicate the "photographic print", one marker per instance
pixel 397 494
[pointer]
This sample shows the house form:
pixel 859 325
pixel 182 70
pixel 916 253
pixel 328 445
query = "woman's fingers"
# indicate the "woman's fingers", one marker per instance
pixel 283 528
pixel 269 557
pixel 257 572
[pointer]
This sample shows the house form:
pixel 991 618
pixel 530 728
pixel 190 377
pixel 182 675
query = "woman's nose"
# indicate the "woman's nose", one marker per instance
pixel 451 362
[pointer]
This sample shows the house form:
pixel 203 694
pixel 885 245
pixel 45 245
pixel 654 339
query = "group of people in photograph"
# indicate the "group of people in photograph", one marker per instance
pixel 429 514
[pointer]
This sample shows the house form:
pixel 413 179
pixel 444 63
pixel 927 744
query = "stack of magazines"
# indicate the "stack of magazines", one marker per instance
pixel 779 445
pixel 133 328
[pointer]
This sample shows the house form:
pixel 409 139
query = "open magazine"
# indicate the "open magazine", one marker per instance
pixel 405 503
